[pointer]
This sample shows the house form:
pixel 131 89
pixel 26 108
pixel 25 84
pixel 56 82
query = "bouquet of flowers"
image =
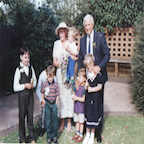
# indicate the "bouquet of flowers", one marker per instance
pixel 63 63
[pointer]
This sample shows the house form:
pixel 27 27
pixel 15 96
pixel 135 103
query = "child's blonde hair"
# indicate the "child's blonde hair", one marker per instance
pixel 89 58
pixel 73 32
pixel 50 71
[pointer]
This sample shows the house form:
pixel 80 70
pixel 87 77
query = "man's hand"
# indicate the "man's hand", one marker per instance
pixel 90 89
pixel 97 69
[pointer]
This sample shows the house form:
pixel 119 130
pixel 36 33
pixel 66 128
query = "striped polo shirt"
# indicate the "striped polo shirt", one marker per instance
pixel 54 90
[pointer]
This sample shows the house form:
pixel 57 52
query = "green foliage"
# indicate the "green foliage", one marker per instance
pixel 64 10
pixel 110 13
pixel 138 67
pixel 25 25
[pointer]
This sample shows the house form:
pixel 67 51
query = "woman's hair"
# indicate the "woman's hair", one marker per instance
pixel 24 50
pixel 64 30
pixel 82 72
pixel 89 58
pixel 88 17
pixel 73 32
pixel 50 71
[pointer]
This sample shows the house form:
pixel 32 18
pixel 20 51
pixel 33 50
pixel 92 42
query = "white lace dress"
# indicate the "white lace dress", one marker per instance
pixel 66 104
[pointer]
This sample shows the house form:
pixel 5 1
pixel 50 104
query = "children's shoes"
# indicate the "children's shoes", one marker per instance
pixel 79 139
pixel 91 140
pixel 75 137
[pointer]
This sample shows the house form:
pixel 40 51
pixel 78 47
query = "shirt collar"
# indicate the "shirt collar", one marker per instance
pixel 24 65
pixel 91 35
pixel 82 84
pixel 50 83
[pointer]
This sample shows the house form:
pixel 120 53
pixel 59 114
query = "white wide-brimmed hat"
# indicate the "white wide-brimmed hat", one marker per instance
pixel 61 25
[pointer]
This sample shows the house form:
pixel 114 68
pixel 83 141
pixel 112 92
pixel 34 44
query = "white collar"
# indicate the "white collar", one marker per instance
pixel 91 35
pixel 24 65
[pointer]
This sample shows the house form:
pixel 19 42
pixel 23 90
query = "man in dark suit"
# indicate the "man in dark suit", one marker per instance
pixel 95 43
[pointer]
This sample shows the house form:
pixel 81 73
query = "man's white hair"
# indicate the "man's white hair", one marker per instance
pixel 88 17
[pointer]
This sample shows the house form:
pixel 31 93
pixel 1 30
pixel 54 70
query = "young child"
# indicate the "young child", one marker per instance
pixel 24 82
pixel 50 97
pixel 73 51
pixel 79 98
pixel 41 80
pixel 92 107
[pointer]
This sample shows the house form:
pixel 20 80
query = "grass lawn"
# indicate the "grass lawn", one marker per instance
pixel 117 130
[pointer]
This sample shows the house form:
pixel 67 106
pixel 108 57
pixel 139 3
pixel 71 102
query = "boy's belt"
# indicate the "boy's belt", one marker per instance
pixel 50 101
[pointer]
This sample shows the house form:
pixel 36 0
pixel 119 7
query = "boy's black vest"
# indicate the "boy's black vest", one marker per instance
pixel 25 79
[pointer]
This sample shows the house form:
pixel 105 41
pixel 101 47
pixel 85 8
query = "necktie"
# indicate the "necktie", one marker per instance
pixel 89 48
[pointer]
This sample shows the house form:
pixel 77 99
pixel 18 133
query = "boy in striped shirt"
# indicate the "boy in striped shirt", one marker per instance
pixel 50 97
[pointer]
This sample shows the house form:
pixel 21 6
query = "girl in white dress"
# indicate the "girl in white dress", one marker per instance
pixel 66 104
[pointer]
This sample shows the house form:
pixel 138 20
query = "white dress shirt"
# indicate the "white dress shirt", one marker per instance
pixel 91 43
pixel 20 87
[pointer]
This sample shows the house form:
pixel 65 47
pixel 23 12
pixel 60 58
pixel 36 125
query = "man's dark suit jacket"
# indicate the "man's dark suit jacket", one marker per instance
pixel 100 52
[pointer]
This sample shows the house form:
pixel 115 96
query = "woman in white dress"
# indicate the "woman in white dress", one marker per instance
pixel 65 107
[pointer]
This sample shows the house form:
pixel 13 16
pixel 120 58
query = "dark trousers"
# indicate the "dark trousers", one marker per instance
pixel 51 120
pixel 26 106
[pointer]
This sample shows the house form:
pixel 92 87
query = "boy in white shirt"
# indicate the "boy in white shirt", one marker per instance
pixel 24 82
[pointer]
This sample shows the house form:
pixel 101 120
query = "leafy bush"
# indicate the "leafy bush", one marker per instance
pixel 110 13
pixel 138 67
pixel 25 25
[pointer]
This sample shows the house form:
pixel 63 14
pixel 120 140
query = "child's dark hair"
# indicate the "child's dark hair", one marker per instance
pixel 48 63
pixel 50 71
pixel 24 50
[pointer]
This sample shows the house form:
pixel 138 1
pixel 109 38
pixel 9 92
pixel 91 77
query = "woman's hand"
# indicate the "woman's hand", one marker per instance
pixel 55 62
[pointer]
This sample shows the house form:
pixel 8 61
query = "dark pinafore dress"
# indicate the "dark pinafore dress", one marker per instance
pixel 92 105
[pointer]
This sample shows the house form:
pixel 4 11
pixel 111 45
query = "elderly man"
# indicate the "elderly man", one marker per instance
pixel 95 43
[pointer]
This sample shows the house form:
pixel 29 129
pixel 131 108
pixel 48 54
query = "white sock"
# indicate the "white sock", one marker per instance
pixel 92 135
pixel 80 134
pixel 77 132
pixel 87 134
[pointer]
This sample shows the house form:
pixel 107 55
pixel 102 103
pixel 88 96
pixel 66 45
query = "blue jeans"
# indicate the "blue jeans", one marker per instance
pixel 51 120
pixel 70 67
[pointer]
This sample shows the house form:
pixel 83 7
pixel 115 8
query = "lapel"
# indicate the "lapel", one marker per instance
pixel 95 48
pixel 95 40
pixel 85 44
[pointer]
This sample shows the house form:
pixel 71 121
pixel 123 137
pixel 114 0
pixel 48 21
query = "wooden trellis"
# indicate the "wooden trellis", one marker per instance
pixel 120 43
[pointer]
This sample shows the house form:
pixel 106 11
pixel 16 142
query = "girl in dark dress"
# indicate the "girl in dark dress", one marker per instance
pixel 92 110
